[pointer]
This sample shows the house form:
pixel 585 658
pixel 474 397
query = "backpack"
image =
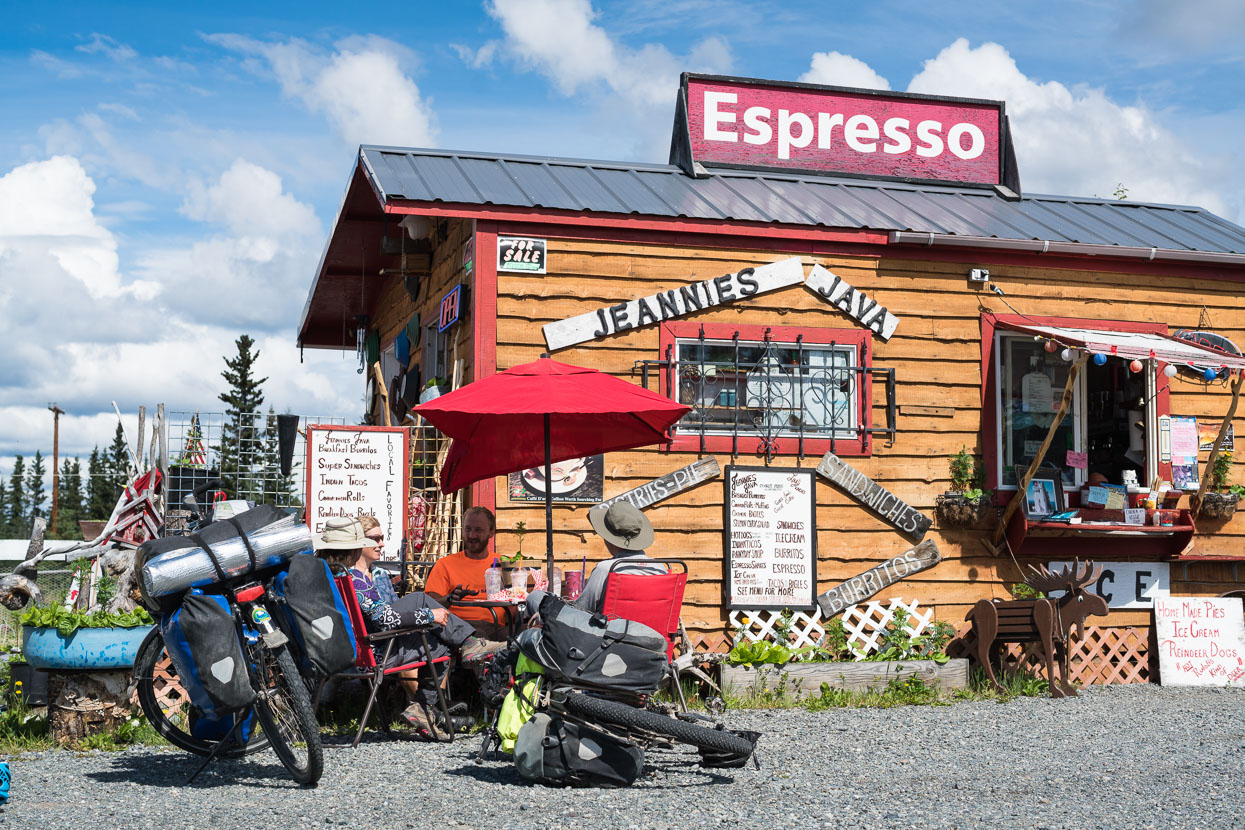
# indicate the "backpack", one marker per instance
pixel 202 641
pixel 316 614
pixel 560 753
pixel 589 650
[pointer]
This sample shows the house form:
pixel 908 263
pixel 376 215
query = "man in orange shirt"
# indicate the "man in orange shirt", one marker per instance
pixel 460 576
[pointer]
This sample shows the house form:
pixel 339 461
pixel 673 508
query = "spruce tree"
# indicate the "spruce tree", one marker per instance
pixel 4 511
pixel 118 466
pixel 69 501
pixel 36 492
pixel 239 435
pixel 18 513
pixel 98 486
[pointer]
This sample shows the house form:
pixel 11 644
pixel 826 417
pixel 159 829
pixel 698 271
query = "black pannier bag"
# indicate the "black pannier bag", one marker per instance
pixel 317 613
pixel 587 649
pixel 202 642
pixel 552 751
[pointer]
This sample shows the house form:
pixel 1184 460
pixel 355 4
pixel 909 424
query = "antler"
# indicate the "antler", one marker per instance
pixel 1070 579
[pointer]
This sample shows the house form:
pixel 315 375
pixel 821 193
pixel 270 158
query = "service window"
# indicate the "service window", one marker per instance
pixel 1110 428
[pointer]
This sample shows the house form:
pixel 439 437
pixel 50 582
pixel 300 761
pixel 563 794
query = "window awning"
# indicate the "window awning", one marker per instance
pixel 1132 345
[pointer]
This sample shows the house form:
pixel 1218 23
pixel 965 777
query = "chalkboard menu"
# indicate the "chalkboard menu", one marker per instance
pixel 353 471
pixel 771 538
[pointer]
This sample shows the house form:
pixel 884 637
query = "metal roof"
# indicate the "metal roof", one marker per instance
pixel 662 190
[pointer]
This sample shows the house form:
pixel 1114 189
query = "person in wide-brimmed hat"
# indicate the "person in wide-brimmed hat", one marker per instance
pixel 357 546
pixel 626 532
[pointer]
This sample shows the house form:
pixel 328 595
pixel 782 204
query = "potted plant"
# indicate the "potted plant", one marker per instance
pixel 59 639
pixel 966 504
pixel 1221 496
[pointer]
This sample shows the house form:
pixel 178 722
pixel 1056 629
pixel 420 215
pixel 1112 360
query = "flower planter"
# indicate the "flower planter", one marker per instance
pixel 957 510
pixel 1219 505
pixel 806 678
pixel 90 649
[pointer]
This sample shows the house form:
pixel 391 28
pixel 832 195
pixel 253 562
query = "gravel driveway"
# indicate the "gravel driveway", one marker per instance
pixel 1130 756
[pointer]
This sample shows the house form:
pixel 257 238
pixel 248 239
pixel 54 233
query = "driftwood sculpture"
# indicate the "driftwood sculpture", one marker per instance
pixel 18 588
pixel 1047 622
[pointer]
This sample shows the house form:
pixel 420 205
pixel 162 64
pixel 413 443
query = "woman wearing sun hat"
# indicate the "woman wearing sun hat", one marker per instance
pixel 345 542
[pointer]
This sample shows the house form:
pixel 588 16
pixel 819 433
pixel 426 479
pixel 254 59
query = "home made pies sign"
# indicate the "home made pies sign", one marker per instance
pixel 723 290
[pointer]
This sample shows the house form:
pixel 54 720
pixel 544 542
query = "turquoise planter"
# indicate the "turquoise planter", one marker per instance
pixel 91 649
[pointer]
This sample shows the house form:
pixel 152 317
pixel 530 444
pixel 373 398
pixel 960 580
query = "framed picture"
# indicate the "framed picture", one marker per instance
pixel 1044 496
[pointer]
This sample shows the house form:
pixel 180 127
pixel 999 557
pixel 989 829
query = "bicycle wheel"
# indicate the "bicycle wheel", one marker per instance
pixel 633 719
pixel 152 669
pixel 284 709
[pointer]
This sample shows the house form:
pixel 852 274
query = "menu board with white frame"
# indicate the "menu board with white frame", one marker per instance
pixel 771 538
pixel 354 471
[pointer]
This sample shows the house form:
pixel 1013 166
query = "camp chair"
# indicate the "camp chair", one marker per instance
pixel 372 673
pixel 655 600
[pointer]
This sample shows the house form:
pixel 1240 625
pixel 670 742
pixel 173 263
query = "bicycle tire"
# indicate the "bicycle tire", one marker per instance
pixel 284 709
pixel 149 656
pixel 630 718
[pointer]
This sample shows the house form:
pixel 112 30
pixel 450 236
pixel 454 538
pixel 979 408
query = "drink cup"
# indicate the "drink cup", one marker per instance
pixel 574 584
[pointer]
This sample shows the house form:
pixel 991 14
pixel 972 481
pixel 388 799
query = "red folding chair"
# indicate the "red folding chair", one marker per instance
pixel 367 669
pixel 655 600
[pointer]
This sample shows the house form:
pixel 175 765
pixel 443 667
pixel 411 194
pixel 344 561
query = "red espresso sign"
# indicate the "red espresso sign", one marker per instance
pixel 829 130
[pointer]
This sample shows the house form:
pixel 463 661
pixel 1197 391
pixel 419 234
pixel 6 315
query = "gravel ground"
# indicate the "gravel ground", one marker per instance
pixel 1128 756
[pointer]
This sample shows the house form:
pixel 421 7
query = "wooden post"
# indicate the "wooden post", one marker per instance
pixel 1214 450
pixel 1065 402
pixel 384 393
pixel 56 438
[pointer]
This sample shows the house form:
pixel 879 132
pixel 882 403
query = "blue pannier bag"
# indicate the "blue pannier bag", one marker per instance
pixel 308 594
pixel 202 641
pixel 216 729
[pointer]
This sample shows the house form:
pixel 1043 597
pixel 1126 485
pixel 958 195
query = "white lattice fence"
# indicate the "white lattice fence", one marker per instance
pixel 865 624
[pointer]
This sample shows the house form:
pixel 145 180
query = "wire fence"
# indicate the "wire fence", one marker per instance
pixel 246 449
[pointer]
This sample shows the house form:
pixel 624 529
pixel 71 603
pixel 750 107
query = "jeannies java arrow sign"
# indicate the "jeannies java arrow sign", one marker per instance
pixel 859 588
pixel 874 497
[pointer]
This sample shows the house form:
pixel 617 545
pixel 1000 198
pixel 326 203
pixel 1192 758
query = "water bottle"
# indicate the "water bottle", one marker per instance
pixel 492 579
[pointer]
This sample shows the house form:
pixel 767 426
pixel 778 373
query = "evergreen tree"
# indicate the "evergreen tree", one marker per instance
pixel 276 488
pixel 239 434
pixel 4 510
pixel 36 492
pixel 99 504
pixel 69 502
pixel 18 514
pixel 118 466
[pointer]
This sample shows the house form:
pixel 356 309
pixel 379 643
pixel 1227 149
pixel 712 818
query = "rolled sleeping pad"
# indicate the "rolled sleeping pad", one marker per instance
pixel 274 535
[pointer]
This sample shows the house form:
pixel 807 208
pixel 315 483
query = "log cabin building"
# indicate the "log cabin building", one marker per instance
pixel 811 277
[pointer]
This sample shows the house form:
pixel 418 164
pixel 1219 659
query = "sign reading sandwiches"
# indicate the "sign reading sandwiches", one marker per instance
pixel 733 122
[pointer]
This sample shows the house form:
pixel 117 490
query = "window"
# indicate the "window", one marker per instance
pixel 1111 428
pixel 772 390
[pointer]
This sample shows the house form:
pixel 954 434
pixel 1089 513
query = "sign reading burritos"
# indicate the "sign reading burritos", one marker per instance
pixel 744 122
pixel 877 499
pixel 859 588
pixel 674 303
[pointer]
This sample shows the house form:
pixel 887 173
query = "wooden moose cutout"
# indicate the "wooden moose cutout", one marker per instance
pixel 1048 622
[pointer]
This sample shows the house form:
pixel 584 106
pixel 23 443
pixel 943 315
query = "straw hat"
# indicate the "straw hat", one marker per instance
pixel 342 534
pixel 623 525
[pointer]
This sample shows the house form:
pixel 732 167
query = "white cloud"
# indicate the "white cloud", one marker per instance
pixel 1188 25
pixel 559 39
pixel 361 88
pixel 1078 141
pixel 47 211
pixel 110 47
pixel 837 69
pixel 250 201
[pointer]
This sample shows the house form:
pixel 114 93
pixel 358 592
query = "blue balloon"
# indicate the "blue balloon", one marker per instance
pixel 1210 374
pixel 1100 359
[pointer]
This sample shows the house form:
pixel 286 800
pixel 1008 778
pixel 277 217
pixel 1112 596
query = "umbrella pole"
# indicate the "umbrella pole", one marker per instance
pixel 548 509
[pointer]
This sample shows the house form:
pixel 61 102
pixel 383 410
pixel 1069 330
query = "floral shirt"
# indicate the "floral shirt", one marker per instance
pixel 376 599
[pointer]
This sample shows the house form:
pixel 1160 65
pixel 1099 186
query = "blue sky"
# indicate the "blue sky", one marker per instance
pixel 168 172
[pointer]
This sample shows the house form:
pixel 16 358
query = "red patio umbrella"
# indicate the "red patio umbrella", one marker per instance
pixel 542 412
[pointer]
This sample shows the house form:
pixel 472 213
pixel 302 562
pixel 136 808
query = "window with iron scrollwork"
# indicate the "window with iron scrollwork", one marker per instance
pixel 768 390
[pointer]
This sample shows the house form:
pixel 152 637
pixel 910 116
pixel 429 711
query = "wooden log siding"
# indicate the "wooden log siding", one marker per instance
pixel 936 352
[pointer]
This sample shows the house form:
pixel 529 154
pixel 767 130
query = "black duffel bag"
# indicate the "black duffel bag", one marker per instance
pixel 590 650
pixel 551 751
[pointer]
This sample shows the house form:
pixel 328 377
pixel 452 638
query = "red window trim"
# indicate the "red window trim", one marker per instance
pixel 686 441
pixel 989 383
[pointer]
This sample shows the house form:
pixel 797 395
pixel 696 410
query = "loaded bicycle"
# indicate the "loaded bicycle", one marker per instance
pixel 246 663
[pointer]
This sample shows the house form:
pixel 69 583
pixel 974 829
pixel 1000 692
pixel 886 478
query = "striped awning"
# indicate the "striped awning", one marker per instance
pixel 1132 345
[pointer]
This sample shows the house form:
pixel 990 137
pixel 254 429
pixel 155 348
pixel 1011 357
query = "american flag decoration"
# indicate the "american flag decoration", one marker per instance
pixel 194 454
